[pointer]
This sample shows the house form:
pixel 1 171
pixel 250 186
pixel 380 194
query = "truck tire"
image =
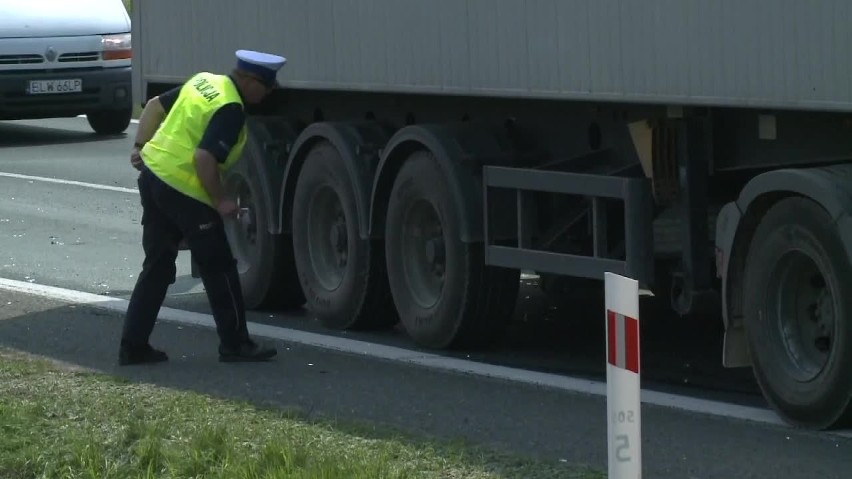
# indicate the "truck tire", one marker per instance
pixel 343 275
pixel 797 314
pixel 109 122
pixel 445 295
pixel 264 261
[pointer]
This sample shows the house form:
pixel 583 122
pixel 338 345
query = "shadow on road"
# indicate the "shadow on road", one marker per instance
pixel 27 135
pixel 567 336
pixel 563 337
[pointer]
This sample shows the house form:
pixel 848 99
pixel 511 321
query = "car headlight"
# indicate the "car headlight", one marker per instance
pixel 116 47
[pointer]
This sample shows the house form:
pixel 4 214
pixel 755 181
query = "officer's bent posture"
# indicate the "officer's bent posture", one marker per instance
pixel 186 137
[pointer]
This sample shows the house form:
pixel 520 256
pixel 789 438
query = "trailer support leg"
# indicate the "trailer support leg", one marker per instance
pixel 691 285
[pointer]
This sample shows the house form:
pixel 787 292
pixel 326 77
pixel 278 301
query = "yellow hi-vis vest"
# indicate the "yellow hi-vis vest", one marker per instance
pixel 170 153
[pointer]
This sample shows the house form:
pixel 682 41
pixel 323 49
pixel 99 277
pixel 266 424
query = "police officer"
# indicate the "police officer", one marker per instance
pixel 185 138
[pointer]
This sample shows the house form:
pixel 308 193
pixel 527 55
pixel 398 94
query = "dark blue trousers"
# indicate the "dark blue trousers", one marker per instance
pixel 168 216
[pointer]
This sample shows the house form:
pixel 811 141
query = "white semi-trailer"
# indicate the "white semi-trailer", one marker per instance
pixel 422 153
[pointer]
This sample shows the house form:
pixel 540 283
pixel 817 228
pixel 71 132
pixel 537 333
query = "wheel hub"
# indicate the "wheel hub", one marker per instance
pixel 243 229
pixel 424 253
pixel 339 241
pixel 823 319
pixel 328 238
pixel 435 255
pixel 245 217
pixel 801 307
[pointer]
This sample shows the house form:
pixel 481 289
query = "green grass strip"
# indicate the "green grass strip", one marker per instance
pixel 59 422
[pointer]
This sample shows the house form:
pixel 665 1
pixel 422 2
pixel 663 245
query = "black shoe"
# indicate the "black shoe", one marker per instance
pixel 247 351
pixel 128 355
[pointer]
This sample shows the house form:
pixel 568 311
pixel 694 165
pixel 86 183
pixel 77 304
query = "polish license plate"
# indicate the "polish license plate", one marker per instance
pixel 46 87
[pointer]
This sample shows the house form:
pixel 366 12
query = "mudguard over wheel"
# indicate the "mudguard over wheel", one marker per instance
pixel 343 275
pixel 797 314
pixel 445 295
pixel 264 260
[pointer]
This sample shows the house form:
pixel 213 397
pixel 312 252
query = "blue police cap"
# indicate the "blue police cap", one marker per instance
pixel 264 65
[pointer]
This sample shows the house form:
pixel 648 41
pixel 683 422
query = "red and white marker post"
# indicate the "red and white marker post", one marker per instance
pixel 622 377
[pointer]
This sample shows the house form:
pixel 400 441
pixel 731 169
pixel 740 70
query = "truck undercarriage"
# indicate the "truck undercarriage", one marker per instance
pixel 368 218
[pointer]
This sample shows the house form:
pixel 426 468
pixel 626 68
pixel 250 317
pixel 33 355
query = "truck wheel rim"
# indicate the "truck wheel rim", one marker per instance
pixel 423 253
pixel 801 310
pixel 328 241
pixel 244 227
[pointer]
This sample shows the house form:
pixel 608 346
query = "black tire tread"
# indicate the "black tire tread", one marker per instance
pixel 284 290
pixel 814 218
pixel 109 122
pixel 490 314
pixel 377 310
pixel 488 298
pixel 373 308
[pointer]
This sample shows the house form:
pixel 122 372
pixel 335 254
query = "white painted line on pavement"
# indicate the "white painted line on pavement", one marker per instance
pixel 434 361
pixel 70 182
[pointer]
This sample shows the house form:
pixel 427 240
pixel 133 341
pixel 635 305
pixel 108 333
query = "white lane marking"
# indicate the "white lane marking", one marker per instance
pixel 434 361
pixel 132 120
pixel 70 182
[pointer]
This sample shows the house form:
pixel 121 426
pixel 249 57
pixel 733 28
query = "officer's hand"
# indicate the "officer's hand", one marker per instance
pixel 226 207
pixel 136 159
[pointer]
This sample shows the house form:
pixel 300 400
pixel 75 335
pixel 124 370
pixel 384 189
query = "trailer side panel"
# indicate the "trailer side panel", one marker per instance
pixel 767 53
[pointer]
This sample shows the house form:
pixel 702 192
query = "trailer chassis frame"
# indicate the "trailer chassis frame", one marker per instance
pixel 638 216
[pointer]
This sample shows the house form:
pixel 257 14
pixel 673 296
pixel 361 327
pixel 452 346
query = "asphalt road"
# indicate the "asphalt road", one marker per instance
pixel 88 239
pixel 68 235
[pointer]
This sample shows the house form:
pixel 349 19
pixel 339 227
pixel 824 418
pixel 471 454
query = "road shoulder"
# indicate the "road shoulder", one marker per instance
pixel 538 422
